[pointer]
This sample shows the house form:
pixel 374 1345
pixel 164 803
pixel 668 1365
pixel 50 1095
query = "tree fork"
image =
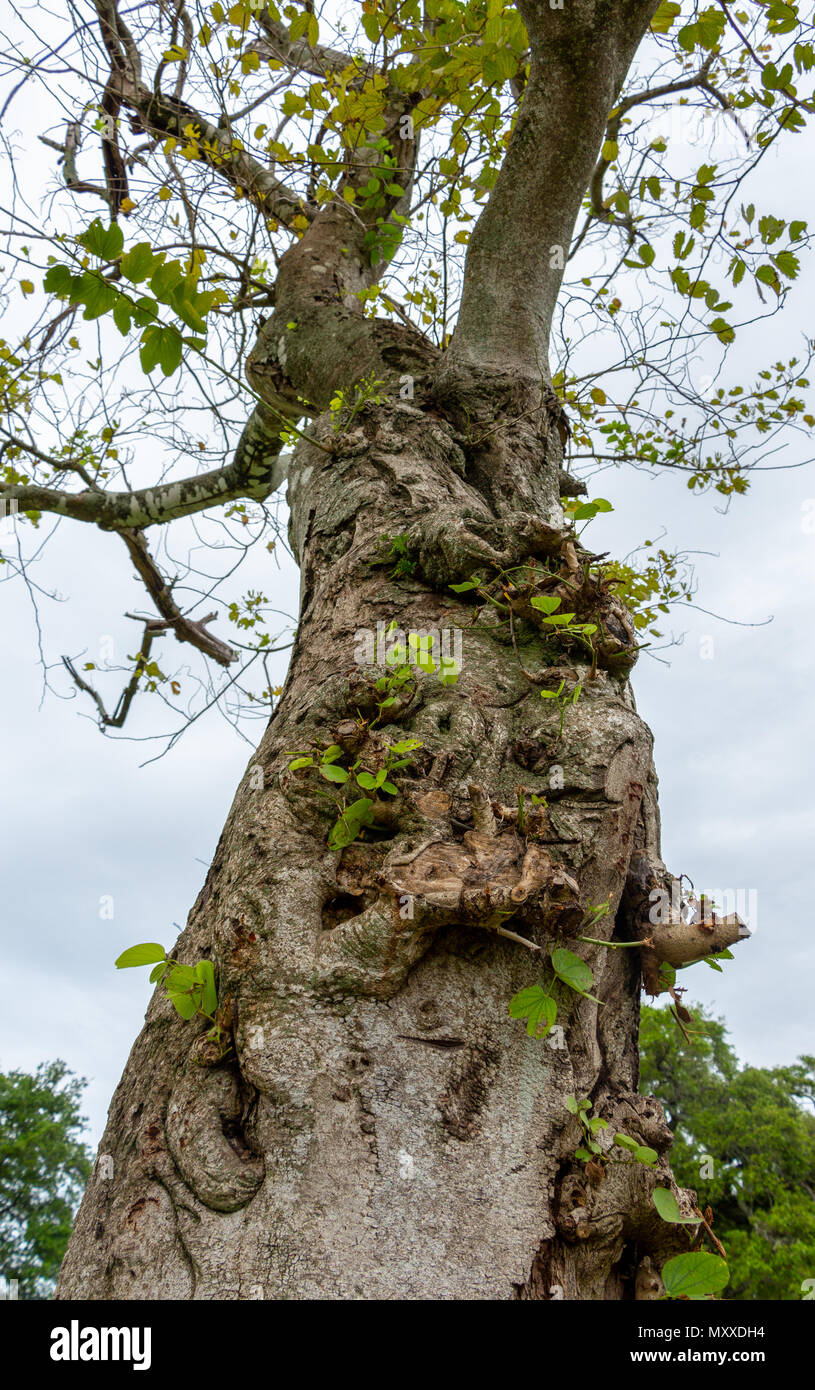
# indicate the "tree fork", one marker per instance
pixel 379 1127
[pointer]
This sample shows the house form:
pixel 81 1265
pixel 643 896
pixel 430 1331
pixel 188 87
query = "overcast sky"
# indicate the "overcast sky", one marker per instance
pixel 87 831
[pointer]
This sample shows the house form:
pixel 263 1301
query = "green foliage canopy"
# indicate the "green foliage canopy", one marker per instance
pixel 43 1168
pixel 756 1125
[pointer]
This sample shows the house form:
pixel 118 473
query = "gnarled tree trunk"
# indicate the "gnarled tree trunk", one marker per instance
pixel 380 1127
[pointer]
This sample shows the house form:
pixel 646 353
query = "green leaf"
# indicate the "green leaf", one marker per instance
pixel 787 263
pixel 59 280
pixel 522 1003
pixel 723 330
pixel 300 762
pixel 157 972
pixel 545 604
pixel 350 823
pixel 139 262
pixel 122 315
pixel 145 954
pixel 665 16
pixel 626 1142
pixel 372 783
pixel 160 345
pixel 165 279
pixel 181 977
pixel 101 241
pixel 187 312
pixel 170 350
pixel 144 310
pixel 649 1157
pixel 573 971
pixel 96 294
pixel 183 1003
pixel 537 1007
pixel 371 24
pixel 331 773
pixel 668 1208
pixel 695 1275
pixel 768 275
pixel 466 586
pixel 206 974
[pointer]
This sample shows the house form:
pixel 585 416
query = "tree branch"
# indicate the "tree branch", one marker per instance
pixel 516 256
pixel 299 54
pixel 185 629
pixel 598 209
pixel 255 472
pixel 117 719
pixel 68 152
pixel 161 116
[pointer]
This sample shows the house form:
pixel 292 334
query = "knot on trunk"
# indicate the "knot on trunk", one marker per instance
pixel 205 1135
pixel 611 1241
pixel 488 878
pixel 483 880
pixel 657 914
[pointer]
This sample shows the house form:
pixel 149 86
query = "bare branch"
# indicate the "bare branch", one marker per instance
pixel 117 719
pixel 68 152
pixel 185 629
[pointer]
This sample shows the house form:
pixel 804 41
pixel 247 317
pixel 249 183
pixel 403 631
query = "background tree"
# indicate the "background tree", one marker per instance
pixel 302 202
pixel 43 1169
pixel 744 1137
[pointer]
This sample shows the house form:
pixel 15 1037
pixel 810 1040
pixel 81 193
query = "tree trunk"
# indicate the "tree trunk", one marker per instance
pixel 381 1128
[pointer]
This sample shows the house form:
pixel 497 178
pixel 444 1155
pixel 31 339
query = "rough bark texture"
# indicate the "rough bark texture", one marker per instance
pixel 380 1127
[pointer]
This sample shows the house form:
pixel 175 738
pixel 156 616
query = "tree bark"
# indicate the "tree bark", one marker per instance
pixel 380 1127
